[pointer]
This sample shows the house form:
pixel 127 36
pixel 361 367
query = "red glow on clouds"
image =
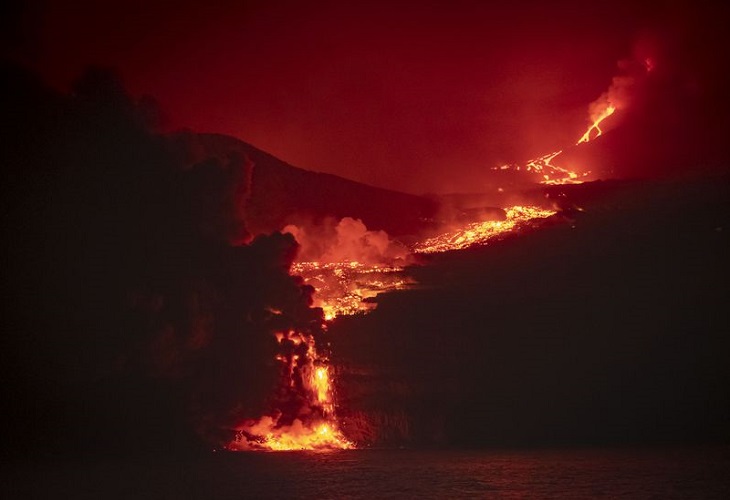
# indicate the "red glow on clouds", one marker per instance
pixel 388 95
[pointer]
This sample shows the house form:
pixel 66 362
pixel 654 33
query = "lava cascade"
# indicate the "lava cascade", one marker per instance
pixel 346 287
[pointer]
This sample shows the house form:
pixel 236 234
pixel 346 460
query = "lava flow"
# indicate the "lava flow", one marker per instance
pixel 596 126
pixel 342 289
pixel 480 233
pixel 307 374
pixel 552 174
pixel 345 288
pixel 346 282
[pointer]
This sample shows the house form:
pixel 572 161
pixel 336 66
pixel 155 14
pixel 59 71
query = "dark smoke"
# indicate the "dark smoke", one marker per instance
pixel 135 318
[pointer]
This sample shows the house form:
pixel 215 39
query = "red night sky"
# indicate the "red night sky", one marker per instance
pixel 414 96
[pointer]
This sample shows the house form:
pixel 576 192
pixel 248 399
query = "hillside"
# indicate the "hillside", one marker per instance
pixel 605 326
pixel 276 194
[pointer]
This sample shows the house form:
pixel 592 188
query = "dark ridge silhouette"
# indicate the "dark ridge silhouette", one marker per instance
pixel 141 271
pixel 277 194
pixel 134 319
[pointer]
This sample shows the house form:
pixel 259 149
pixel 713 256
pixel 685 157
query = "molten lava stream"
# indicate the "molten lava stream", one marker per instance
pixel 321 432
pixel 343 288
pixel 596 126
pixel 480 233
pixel 553 174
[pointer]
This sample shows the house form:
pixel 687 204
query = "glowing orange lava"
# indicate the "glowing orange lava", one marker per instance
pixel 548 172
pixel 480 233
pixel 596 126
pixel 344 288
pixel 553 174
pixel 347 287
pixel 268 433
pixel 320 381
pixel 321 436
pixel 269 436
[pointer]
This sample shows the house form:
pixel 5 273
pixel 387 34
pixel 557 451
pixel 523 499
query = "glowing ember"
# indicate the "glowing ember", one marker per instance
pixel 596 126
pixel 480 233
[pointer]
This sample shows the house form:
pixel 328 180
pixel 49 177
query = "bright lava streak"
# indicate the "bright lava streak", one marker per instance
pixel 596 126
pixel 553 174
pixel 480 233
pixel 344 287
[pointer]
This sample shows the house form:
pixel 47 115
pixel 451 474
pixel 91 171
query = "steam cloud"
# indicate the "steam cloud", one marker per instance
pixel 347 240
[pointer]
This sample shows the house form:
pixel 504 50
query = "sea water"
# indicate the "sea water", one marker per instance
pixel 614 473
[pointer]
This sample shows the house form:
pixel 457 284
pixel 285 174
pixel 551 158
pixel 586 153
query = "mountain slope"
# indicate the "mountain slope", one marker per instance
pixel 274 193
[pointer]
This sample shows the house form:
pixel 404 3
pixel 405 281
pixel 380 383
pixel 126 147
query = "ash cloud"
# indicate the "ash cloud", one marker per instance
pixel 136 319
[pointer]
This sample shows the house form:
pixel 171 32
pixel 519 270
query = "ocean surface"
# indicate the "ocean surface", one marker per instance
pixel 619 473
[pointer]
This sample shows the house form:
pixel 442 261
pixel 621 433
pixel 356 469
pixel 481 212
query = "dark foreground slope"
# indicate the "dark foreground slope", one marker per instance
pixel 609 325
pixel 138 289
